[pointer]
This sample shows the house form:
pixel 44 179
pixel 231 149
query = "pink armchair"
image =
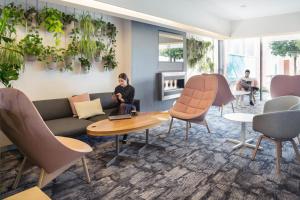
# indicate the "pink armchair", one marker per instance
pixel 24 126
pixel 196 98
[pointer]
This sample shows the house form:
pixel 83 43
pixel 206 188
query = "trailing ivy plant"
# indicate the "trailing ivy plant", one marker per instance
pixel 100 27
pixel 111 32
pixel 32 44
pixel 51 20
pixel 51 56
pixel 85 63
pixel 31 16
pixel 197 51
pixel 87 44
pixel 68 19
pixel 109 60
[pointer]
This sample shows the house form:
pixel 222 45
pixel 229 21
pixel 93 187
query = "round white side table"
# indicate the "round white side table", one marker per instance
pixel 243 118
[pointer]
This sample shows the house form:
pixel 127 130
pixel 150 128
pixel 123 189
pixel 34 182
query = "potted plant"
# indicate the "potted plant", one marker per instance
pixel 111 32
pixel 51 56
pixel 100 46
pixel 100 26
pixel 68 20
pixel 109 60
pixel 31 16
pixel 85 64
pixel 87 44
pixel 15 15
pixel 72 50
pixel 32 45
pixel 51 20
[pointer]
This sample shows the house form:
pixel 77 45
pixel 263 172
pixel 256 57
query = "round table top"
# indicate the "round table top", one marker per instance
pixel 240 117
pixel 119 127
pixel 240 92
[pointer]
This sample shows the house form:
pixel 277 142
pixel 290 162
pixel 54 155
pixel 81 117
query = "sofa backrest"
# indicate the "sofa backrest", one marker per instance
pixel 106 100
pixel 53 108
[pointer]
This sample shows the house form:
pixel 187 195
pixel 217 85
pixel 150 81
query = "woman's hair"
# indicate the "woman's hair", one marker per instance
pixel 124 77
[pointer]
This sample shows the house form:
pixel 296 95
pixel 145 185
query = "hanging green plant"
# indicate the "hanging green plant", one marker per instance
pixel 51 20
pixel 32 45
pixel 111 32
pixel 11 56
pixel 87 44
pixel 11 63
pixel 100 27
pixel 85 64
pixel 31 16
pixel 68 19
pixel 51 56
pixel 197 51
pixel 72 50
pixel 100 48
pixel 109 60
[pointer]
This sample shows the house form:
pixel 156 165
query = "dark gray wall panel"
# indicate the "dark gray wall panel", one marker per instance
pixel 145 65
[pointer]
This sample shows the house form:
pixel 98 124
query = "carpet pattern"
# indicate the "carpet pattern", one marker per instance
pixel 204 167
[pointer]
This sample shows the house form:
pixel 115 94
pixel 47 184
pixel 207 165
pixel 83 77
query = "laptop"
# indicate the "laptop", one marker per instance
pixel 118 117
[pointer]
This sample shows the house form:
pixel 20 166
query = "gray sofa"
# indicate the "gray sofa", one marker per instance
pixel 58 115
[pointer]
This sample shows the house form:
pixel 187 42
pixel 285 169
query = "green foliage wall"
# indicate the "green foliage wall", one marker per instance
pixel 90 40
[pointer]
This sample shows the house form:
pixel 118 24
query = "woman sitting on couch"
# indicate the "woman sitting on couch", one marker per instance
pixel 124 95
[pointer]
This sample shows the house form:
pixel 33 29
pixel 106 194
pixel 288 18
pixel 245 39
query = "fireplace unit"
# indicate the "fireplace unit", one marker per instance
pixel 171 84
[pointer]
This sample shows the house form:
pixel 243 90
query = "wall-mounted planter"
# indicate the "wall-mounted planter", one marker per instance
pixel 31 58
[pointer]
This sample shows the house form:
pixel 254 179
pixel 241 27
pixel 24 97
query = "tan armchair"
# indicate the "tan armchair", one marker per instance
pixel 23 125
pixel 196 98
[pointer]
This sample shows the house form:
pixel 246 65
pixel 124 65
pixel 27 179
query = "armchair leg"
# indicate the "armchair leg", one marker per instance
pixel 257 146
pixel 187 131
pixel 232 107
pixel 206 124
pixel 278 155
pixel 295 149
pixel 190 124
pixel 17 180
pixel 222 107
pixel 170 127
pixel 86 171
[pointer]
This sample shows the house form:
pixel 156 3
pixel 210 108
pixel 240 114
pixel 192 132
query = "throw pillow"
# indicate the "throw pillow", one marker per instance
pixel 78 98
pixel 88 109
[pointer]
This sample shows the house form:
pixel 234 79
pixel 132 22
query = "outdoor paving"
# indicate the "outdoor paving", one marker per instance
pixel 204 167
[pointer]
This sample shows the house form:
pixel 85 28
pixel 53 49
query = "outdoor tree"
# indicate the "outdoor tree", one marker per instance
pixel 289 48
pixel 174 54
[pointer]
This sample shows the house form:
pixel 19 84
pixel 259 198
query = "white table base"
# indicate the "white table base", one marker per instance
pixel 242 142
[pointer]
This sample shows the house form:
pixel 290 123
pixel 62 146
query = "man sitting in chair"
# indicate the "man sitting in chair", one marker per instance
pixel 248 84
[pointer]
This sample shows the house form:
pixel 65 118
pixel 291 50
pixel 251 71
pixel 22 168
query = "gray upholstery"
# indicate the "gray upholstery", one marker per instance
pixel 58 115
pixel 68 126
pixel 281 118
pixel 53 108
pixel 282 103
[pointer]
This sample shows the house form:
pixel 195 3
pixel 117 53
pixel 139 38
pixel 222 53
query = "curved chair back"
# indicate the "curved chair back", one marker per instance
pixel 224 94
pixel 283 85
pixel 282 103
pixel 23 125
pixel 198 95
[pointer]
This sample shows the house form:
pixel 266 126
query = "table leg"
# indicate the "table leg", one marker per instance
pixel 242 142
pixel 118 154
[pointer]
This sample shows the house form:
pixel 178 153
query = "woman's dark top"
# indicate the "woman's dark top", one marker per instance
pixel 127 93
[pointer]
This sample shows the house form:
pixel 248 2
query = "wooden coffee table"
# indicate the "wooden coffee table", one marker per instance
pixel 142 121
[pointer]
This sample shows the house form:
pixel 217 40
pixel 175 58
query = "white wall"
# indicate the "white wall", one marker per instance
pixel 265 26
pixel 38 83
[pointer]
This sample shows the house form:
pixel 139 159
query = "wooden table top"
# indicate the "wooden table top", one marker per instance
pixel 33 194
pixel 119 127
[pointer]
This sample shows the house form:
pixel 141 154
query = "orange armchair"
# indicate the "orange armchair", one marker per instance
pixel 196 98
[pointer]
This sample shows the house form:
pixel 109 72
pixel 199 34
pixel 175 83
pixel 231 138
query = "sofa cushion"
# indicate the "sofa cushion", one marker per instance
pixel 106 100
pixel 76 99
pixel 68 126
pixel 53 108
pixel 102 117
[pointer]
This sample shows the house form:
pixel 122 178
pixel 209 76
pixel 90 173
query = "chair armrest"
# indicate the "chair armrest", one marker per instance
pixel 280 125
pixel 136 103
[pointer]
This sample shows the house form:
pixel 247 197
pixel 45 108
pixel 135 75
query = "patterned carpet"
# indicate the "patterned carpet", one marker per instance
pixel 204 167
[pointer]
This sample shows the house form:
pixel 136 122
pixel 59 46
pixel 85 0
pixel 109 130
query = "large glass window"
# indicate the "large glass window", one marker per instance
pixel 241 54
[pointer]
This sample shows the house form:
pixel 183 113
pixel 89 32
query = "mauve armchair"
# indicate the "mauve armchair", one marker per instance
pixel 279 123
pixel 283 85
pixel 224 94
pixel 197 97
pixel 23 125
